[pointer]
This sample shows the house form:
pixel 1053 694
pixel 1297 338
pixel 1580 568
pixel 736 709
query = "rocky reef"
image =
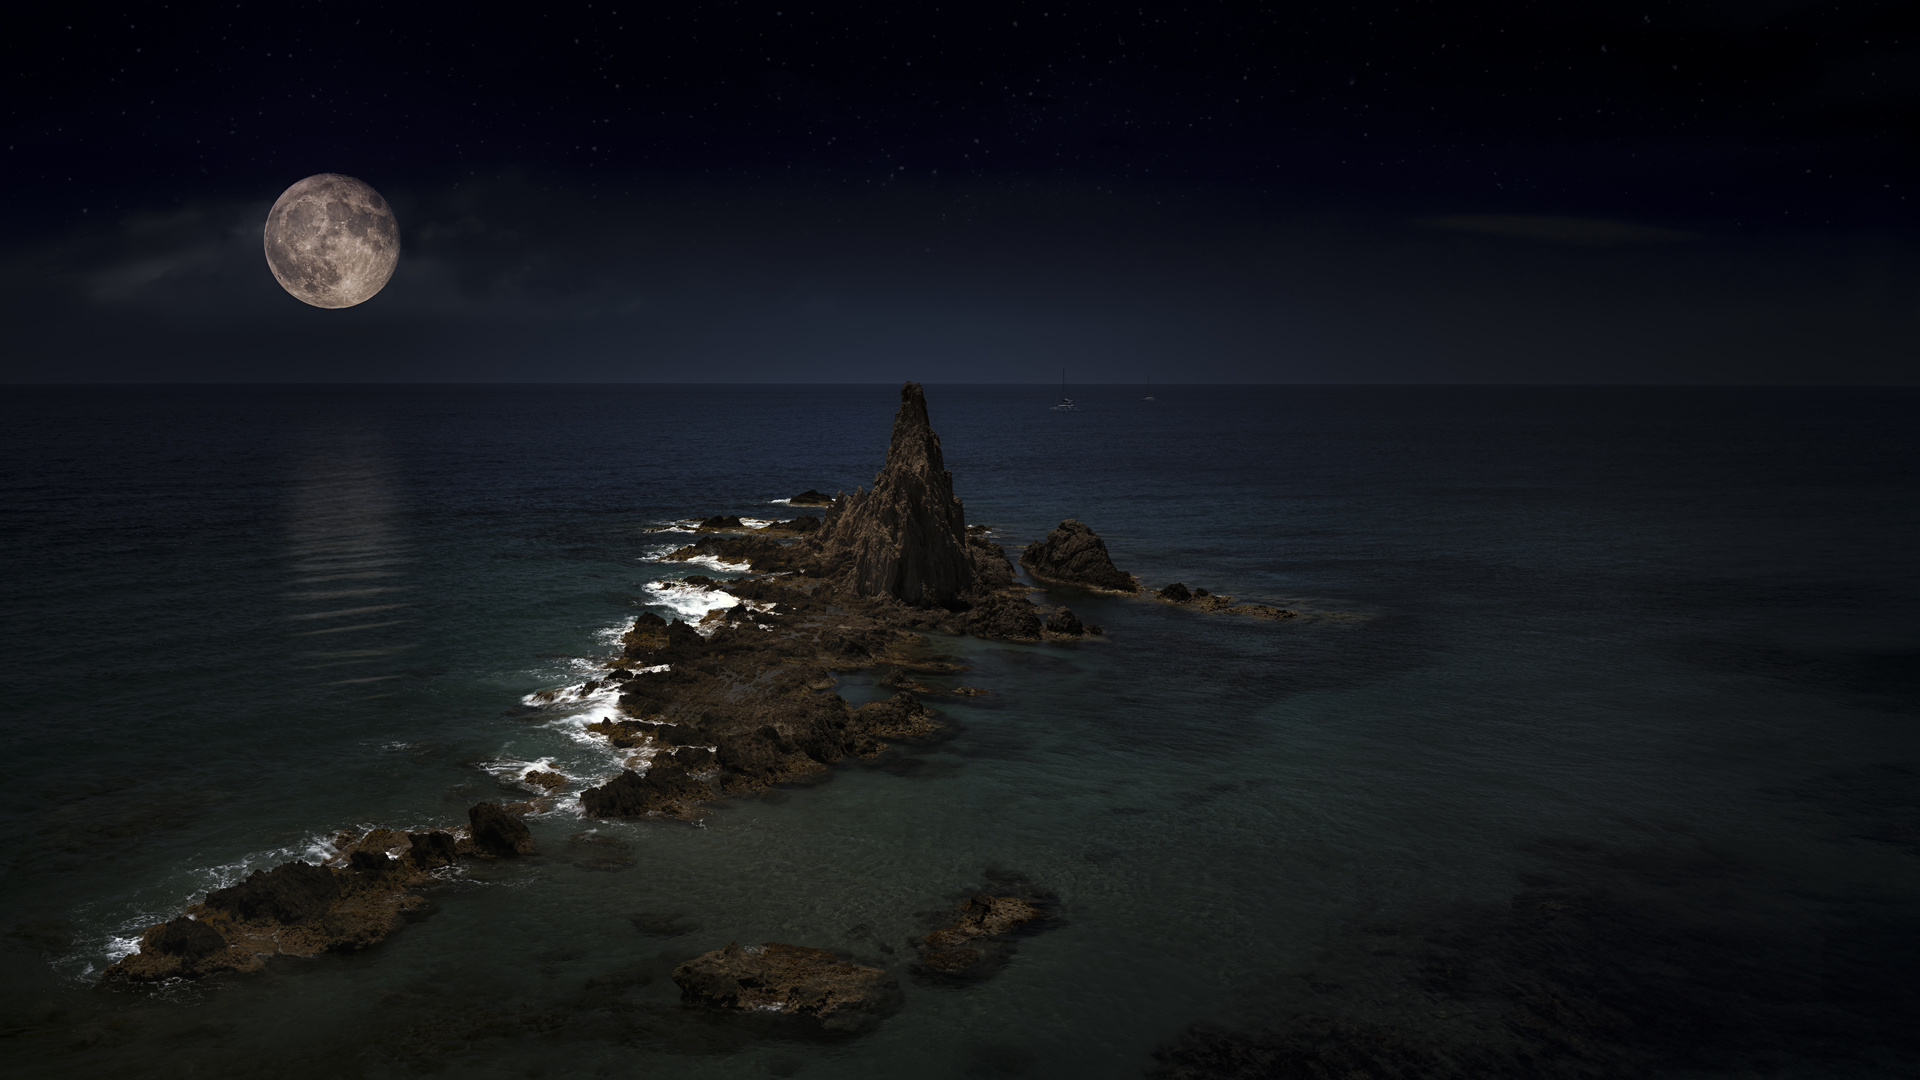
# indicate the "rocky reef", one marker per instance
pixel 746 708
pixel 1202 600
pixel 734 707
pixel 840 995
pixel 302 909
pixel 980 939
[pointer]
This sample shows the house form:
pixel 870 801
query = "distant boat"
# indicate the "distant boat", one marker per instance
pixel 1149 396
pixel 1066 403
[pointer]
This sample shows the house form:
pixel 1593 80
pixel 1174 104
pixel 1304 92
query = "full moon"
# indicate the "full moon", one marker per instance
pixel 332 241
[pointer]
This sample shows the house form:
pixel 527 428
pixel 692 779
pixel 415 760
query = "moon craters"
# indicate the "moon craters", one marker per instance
pixel 332 241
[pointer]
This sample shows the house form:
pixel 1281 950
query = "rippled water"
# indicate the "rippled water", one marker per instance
pixel 1654 644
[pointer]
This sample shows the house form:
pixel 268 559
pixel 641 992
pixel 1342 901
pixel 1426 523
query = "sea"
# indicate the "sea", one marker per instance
pixel 1595 736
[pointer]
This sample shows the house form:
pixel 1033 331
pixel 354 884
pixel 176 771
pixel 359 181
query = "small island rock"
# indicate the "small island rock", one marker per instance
pixel 793 979
pixel 1073 555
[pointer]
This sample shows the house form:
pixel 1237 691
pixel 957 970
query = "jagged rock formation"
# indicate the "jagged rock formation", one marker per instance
pixel 907 537
pixel 1073 555
pixel 792 979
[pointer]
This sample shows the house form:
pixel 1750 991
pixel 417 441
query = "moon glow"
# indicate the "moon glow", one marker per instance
pixel 332 241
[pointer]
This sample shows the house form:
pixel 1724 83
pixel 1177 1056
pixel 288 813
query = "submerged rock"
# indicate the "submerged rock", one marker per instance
pixel 792 979
pixel 1202 600
pixel 907 537
pixel 978 941
pixel 1073 555
pixel 595 851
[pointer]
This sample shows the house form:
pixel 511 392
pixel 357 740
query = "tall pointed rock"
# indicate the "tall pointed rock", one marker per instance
pixel 906 538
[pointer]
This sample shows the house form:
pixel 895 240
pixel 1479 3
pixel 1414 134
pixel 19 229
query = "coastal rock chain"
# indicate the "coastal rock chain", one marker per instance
pixel 741 703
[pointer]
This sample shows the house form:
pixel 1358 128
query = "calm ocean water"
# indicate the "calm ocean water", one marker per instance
pixel 1654 645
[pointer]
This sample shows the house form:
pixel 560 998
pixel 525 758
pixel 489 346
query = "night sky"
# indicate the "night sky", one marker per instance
pixel 785 192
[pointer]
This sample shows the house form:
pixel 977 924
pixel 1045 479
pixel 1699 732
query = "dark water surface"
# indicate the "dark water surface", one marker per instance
pixel 1601 748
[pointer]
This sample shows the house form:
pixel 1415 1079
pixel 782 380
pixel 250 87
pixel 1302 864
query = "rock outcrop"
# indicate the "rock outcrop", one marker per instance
pixel 1202 600
pixel 811 497
pixel 667 788
pixel 1073 555
pixel 799 526
pixel 1008 618
pixel 498 833
pixel 295 909
pixel 838 994
pixel 1065 623
pixel 907 537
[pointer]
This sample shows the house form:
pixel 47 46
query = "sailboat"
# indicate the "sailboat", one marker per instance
pixel 1066 403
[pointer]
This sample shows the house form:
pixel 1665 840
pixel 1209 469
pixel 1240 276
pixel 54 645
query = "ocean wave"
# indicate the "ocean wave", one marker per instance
pixel 713 562
pixel 689 602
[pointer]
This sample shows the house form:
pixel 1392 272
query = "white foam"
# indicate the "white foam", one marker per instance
pixel 159 905
pixel 689 602
pixel 758 523
pixel 119 948
pixel 714 562
pixel 781 502
pixel 514 772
